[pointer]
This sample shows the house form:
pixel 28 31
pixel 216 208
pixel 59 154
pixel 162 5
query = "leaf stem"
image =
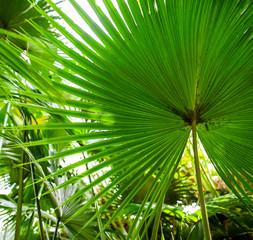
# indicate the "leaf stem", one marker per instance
pixel 37 202
pixel 56 228
pixel 206 228
pixel 20 195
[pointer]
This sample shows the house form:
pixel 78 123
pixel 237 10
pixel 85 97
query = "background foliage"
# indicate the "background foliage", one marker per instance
pixel 123 103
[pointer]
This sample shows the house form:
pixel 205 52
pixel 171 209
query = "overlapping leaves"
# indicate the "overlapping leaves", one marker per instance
pixel 155 64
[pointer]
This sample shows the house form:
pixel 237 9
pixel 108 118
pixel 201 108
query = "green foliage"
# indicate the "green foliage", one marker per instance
pixel 130 97
pixel 16 14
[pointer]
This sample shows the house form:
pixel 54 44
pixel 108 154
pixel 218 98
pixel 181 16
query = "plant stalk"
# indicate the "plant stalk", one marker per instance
pixel 20 202
pixel 37 202
pixel 20 195
pixel 56 228
pixel 205 222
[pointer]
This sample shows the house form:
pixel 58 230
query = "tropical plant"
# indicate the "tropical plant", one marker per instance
pixel 155 72
pixel 24 210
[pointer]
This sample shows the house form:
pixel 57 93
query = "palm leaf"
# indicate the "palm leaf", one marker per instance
pixel 154 68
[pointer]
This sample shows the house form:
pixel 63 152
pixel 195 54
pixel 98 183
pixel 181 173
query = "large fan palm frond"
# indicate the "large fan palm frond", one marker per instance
pixel 155 69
